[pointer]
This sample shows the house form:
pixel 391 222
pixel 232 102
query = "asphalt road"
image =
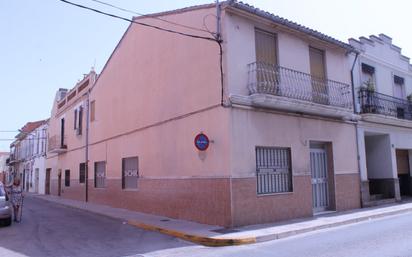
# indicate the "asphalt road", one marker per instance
pixel 50 229
pixel 390 236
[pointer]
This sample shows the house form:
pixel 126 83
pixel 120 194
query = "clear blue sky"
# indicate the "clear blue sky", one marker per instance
pixel 47 44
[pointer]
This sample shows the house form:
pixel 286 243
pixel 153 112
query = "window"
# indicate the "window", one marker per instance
pixel 267 77
pixel 368 76
pixel 265 47
pixel 92 110
pixel 318 73
pixel 75 119
pixel 130 172
pixel 78 119
pixel 82 172
pixel 398 87
pixel 273 170
pixel 67 178
pixel 99 174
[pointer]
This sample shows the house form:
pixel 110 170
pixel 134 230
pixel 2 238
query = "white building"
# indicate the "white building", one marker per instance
pixel 28 156
pixel 3 166
pixel 382 77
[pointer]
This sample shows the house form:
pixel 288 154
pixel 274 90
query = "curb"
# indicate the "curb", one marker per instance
pixel 207 241
pixel 217 242
pixel 331 225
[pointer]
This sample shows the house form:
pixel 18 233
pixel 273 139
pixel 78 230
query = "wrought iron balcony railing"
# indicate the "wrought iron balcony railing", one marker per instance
pixel 374 102
pixel 276 80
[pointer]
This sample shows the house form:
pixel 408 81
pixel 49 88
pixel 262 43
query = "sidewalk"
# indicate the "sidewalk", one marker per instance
pixel 218 236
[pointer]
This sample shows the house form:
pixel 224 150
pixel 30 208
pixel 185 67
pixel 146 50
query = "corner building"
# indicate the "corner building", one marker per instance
pixel 281 125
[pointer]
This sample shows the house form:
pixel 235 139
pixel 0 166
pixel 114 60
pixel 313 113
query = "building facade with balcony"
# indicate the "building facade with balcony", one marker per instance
pixel 28 155
pixel 383 84
pixel 65 164
pixel 278 114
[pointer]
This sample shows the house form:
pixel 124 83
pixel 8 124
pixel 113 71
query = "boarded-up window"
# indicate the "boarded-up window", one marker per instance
pixel 99 174
pixel 92 110
pixel 67 178
pixel 82 172
pixel 266 47
pixel 130 172
pixel 274 171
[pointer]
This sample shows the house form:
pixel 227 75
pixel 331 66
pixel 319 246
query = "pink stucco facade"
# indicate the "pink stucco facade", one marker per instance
pixel 158 90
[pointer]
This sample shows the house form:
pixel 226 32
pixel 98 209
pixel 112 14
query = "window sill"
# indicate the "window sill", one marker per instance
pixel 275 194
pixel 130 189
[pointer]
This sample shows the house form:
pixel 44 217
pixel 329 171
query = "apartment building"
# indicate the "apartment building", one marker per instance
pixel 383 82
pixel 27 155
pixel 66 156
pixel 264 132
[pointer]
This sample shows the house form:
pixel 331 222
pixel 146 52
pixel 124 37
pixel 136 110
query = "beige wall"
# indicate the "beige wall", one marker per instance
pixel 293 51
pixel 253 128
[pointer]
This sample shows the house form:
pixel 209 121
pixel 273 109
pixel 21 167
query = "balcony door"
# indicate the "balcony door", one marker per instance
pixel 266 62
pixel 318 73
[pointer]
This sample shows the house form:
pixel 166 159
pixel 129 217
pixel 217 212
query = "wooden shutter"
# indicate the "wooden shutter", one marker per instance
pixel 265 44
pixel 317 65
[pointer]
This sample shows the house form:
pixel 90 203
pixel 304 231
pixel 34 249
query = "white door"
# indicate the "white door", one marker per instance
pixel 318 166
pixel 36 181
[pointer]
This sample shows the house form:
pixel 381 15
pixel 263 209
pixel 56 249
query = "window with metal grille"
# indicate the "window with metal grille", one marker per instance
pixel 67 178
pixel 99 174
pixel 273 170
pixel 82 172
pixel 130 172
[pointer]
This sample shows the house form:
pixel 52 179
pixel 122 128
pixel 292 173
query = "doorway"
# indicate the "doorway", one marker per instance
pixel 36 180
pixel 47 185
pixel 59 184
pixel 402 162
pixel 322 177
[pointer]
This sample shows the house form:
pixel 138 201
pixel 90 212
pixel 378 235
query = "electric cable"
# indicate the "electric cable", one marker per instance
pixel 149 16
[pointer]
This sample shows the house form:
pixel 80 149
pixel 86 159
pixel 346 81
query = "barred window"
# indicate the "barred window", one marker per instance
pixel 130 172
pixel 67 178
pixel 82 173
pixel 100 174
pixel 273 170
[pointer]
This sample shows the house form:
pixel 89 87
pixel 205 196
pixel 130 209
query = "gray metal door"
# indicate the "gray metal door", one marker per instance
pixel 318 166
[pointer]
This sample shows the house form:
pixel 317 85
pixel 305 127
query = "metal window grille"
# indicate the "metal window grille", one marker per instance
pixel 130 172
pixel 273 170
pixel 100 174
pixel 82 172
pixel 67 178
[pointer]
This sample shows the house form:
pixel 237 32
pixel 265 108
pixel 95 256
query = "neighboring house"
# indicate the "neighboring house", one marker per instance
pixel 383 82
pixel 4 156
pixel 27 155
pixel 281 127
pixel 67 138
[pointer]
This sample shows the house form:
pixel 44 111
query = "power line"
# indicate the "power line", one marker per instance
pixel 139 23
pixel 149 16
pixel 216 39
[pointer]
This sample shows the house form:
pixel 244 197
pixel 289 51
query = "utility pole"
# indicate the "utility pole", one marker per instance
pixel 86 162
pixel 218 27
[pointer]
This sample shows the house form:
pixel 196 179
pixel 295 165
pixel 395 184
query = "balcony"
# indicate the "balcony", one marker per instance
pixel 57 145
pixel 381 108
pixel 13 159
pixel 276 87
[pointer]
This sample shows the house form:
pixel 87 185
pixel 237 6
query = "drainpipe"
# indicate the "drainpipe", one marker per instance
pixel 356 124
pixel 86 163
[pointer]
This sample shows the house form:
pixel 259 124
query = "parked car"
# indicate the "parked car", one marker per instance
pixel 5 207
